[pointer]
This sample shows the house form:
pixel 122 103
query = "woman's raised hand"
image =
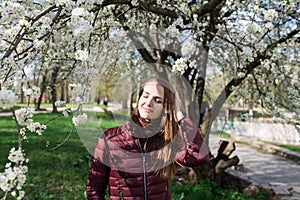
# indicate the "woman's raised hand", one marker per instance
pixel 179 114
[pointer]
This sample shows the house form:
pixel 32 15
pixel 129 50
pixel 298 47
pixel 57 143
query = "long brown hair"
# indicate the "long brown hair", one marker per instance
pixel 169 129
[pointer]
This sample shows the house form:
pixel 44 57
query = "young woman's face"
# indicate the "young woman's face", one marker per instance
pixel 150 104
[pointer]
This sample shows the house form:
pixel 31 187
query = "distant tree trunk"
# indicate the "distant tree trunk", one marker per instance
pixel 54 75
pixel 62 92
pixel 43 87
pixel 48 96
pixel 21 93
pixel 67 93
pixel 97 96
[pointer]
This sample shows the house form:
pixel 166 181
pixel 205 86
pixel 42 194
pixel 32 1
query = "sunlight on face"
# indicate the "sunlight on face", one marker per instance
pixel 150 104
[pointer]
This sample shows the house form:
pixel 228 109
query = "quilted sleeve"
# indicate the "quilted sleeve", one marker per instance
pixel 99 172
pixel 195 151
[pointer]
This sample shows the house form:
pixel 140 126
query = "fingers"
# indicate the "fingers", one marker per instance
pixel 179 114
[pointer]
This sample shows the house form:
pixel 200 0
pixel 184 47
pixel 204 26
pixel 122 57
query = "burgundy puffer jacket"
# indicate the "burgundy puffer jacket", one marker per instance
pixel 121 162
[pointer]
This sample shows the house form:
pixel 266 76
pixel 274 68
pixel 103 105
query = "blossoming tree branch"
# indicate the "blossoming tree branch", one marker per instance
pixel 253 45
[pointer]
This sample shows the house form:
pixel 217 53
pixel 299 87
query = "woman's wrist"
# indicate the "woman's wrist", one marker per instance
pixel 179 115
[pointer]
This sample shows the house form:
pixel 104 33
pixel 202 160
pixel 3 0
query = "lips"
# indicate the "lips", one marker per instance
pixel 147 110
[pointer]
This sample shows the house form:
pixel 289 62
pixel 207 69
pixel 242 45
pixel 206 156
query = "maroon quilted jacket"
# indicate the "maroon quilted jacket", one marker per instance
pixel 121 162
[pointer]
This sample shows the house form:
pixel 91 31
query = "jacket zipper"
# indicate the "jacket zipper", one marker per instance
pixel 144 171
pixel 121 195
pixel 166 189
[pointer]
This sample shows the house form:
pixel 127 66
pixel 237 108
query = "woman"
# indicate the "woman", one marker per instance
pixel 137 159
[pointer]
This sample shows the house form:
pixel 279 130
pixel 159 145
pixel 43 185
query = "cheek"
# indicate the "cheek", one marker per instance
pixel 140 102
pixel 159 108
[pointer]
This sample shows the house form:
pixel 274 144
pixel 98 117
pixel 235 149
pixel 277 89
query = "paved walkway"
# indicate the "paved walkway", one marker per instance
pixel 266 167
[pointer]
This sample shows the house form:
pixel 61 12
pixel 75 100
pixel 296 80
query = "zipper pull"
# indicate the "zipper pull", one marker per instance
pixel 121 195
pixel 166 189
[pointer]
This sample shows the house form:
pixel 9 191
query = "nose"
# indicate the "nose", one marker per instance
pixel 149 102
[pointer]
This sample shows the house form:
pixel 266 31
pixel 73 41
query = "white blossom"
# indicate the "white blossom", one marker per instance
pixel 77 91
pixel 135 2
pixel 80 22
pixel 21 195
pixel 63 2
pixel 7 98
pixel 14 176
pixel 252 27
pixel 36 127
pixel 23 22
pixel 79 12
pixel 241 75
pixel 34 91
pixel 180 65
pixel 16 155
pixel 257 9
pixel 65 113
pixel 60 104
pixel 271 14
pixel 23 114
pixel 79 119
pixel 172 31
pixel 248 54
pixel 82 55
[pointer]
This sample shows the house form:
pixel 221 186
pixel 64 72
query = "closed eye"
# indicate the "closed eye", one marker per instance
pixel 158 99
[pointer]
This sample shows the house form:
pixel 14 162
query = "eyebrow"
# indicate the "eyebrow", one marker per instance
pixel 154 96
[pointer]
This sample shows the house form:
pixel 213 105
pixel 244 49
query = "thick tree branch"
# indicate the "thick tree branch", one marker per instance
pixel 207 7
pixel 142 5
pixel 140 47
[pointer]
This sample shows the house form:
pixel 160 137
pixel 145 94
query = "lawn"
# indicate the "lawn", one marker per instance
pixel 53 174
pixel 61 173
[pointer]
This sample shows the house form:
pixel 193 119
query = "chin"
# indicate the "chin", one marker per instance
pixel 144 116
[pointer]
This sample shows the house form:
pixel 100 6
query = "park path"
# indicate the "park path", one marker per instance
pixel 265 167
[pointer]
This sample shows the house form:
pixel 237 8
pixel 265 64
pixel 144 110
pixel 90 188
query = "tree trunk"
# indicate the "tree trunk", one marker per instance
pixel 62 92
pixel 22 93
pixel 43 87
pixel 215 169
pixel 53 88
pixel 67 93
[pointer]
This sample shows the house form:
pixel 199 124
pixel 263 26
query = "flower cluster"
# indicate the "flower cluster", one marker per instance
pixel 14 175
pixel 135 2
pixel 79 119
pixel 77 91
pixel 82 55
pixel 180 65
pixel 62 104
pixel 173 31
pixel 36 127
pixel 63 2
pixel 24 117
pixel 271 15
pixel 80 21
pixel 7 98
pixel 34 92
pixel 23 114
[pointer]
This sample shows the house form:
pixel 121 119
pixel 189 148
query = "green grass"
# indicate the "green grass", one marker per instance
pixel 62 173
pixel 295 148
pixel 285 146
pixel 222 134
pixel 53 174
pixel 291 147
pixel 208 190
